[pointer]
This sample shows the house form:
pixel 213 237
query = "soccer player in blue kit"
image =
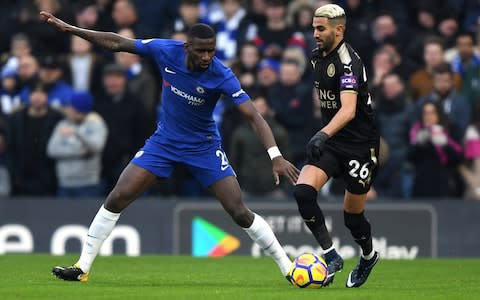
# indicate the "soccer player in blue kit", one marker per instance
pixel 193 81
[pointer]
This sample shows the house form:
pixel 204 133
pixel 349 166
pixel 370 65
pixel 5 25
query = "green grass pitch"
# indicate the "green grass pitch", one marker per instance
pixel 180 277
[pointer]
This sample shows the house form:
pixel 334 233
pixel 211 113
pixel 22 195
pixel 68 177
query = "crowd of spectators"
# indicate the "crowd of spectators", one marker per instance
pixel 72 115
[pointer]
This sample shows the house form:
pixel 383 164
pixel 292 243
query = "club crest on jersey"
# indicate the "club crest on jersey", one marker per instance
pixel 200 90
pixel 331 70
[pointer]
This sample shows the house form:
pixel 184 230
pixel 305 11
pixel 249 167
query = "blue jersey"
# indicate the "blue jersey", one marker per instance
pixel 188 97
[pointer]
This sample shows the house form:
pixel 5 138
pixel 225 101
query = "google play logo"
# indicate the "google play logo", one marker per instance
pixel 209 240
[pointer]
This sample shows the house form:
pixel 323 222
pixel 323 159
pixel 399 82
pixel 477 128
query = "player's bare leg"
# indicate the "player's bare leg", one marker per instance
pixel 354 207
pixel 133 182
pixel 228 192
pixel 310 181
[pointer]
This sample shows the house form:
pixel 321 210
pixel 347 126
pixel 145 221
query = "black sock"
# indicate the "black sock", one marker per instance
pixel 311 213
pixel 360 230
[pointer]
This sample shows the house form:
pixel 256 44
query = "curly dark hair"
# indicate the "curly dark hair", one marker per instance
pixel 443 119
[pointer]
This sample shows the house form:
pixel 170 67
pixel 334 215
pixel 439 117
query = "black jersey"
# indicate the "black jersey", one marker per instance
pixel 338 72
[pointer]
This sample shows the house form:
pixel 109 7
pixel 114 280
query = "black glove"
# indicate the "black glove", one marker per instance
pixel 315 145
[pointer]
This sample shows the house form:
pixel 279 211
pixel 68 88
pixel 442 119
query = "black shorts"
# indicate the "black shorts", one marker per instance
pixel 357 165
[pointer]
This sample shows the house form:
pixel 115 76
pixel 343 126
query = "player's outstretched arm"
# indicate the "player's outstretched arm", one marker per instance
pixel 108 40
pixel 263 131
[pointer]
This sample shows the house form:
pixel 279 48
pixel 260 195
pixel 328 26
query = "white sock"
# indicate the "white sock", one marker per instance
pixel 100 228
pixel 263 235
pixel 369 256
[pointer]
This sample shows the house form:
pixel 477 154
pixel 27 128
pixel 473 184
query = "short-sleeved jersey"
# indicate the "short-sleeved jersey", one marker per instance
pixel 188 97
pixel 342 71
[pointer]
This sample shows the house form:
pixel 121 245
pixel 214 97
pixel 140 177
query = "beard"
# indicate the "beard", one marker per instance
pixel 327 44
pixel 442 94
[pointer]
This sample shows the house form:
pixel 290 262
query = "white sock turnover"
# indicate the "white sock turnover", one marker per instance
pixel 100 228
pixel 261 233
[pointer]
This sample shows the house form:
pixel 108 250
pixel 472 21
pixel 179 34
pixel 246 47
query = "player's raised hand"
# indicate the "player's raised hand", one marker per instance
pixel 283 167
pixel 107 40
pixel 51 19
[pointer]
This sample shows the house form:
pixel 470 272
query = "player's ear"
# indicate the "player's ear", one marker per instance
pixel 339 29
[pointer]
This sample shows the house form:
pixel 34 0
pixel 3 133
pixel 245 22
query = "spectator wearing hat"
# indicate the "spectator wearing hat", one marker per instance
pixel 51 76
pixel 32 171
pixel 267 74
pixel 9 94
pixel 76 145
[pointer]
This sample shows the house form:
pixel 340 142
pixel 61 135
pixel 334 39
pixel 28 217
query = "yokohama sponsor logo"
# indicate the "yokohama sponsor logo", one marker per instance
pixel 192 100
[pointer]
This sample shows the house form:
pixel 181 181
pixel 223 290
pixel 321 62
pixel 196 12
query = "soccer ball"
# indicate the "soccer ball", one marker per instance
pixel 308 271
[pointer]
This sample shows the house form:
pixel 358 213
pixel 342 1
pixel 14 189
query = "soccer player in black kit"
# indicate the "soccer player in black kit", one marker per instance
pixel 346 146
